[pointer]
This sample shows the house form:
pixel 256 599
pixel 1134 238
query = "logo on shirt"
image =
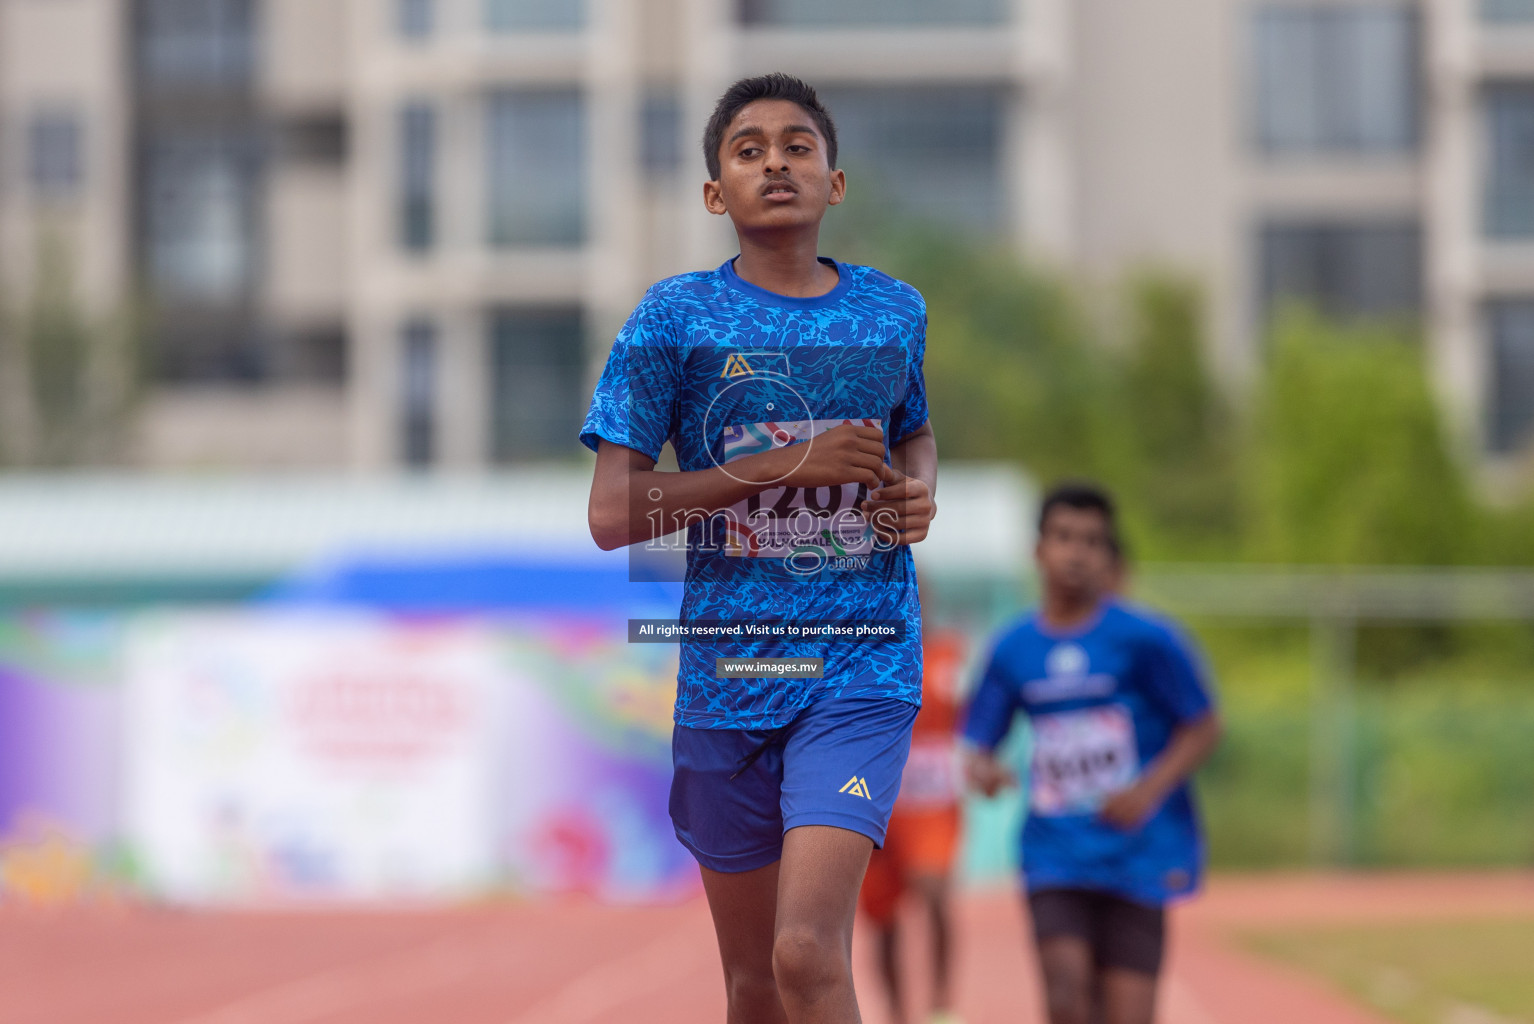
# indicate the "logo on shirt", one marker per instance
pixel 1068 675
pixel 857 787
pixel 736 366
pixel 763 366
pixel 1066 660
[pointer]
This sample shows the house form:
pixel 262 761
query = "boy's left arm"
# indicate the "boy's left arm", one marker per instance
pixel 1176 679
pixel 1191 744
pixel 905 505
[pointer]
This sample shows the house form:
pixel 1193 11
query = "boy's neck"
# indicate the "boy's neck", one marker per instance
pixel 786 267
pixel 1064 612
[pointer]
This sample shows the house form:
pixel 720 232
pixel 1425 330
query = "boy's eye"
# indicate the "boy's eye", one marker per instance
pixel 748 151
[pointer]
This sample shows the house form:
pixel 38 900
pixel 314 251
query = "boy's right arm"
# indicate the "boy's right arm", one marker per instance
pixel 632 501
pixel 986 773
pixel 987 721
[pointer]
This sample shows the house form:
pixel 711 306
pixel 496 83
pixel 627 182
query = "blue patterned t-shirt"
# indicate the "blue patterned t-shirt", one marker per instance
pixel 723 369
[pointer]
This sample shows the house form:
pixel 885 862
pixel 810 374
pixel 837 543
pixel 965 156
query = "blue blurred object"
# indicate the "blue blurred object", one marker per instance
pixel 593 584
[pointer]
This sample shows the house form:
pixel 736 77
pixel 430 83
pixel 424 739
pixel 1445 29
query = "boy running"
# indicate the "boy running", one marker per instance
pixel 923 835
pixel 1121 714
pixel 790 387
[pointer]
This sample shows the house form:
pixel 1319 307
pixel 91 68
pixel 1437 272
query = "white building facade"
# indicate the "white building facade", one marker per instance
pixel 386 233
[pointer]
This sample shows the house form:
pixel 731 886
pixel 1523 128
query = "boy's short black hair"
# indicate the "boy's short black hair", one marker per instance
pixel 1087 496
pixel 776 86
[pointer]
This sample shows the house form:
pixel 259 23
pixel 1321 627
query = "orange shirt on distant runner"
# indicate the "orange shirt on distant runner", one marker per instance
pixel 931 778
pixel 923 834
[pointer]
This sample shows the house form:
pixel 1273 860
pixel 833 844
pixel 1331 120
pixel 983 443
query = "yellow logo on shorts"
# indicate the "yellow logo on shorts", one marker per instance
pixel 857 787
pixel 736 366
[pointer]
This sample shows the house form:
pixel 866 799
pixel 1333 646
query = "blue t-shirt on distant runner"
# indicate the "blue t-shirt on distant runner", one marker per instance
pixel 1103 702
pixel 723 369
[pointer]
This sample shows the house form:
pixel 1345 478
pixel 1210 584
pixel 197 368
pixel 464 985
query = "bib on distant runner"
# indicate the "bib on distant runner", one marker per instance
pixel 1080 758
pixel 784 521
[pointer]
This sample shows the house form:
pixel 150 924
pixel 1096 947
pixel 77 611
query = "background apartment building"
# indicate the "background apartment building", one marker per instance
pixel 387 233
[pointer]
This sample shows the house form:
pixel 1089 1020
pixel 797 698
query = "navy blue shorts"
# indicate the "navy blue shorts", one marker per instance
pixel 1121 933
pixel 736 791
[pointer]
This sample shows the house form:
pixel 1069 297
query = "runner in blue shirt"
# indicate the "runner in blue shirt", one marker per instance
pixel 790 388
pixel 1121 715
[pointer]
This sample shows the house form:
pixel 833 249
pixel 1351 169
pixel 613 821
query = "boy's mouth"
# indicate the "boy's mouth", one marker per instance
pixel 779 190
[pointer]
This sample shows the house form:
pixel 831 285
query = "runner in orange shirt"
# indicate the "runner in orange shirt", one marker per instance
pixel 923 833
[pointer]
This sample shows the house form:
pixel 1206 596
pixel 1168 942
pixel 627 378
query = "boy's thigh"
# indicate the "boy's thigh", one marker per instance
pixel 818 885
pixel 842 764
pixel 744 906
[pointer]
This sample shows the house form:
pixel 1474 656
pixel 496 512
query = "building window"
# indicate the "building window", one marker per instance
pixel 418 393
pixel 416 18
pixel 1337 79
pixel 315 139
pixel 200 198
pixel 1510 386
pixel 418 174
pixel 534 15
pixel 197 42
pixel 536 404
pixel 808 13
pixel 1343 270
pixel 537 168
pixel 1509 184
pixel 53 151
pixel 929 153
pixel 315 353
pixel 1507 10
pixel 660 133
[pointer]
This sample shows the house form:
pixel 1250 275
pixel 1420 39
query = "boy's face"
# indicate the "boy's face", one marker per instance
pixel 1074 554
pixel 773 171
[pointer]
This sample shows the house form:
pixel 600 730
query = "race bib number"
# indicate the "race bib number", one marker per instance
pixel 931 777
pixel 781 522
pixel 1080 758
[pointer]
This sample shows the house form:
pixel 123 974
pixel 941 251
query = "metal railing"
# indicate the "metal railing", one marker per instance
pixel 1335 604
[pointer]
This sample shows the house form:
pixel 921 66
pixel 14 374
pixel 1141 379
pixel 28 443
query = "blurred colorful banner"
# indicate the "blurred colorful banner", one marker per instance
pixel 586 768
pixel 60 744
pixel 324 746
pixel 277 755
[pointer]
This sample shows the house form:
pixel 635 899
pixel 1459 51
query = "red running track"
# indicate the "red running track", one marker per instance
pixel 571 961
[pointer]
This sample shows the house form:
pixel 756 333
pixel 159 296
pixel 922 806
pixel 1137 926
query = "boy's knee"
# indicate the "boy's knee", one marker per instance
pixel 1067 997
pixel 753 997
pixel 805 961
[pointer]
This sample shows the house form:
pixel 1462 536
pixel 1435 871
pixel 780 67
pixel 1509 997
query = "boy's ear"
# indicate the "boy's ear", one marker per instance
pixel 838 187
pixel 713 199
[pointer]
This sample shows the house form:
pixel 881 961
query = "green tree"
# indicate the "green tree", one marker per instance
pixel 1011 372
pixel 1349 462
pixel 73 380
pixel 1182 442
pixel 1017 371
pixel 1337 456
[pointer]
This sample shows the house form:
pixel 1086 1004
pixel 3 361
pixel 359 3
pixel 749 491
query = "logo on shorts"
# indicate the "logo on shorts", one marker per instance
pixel 857 787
